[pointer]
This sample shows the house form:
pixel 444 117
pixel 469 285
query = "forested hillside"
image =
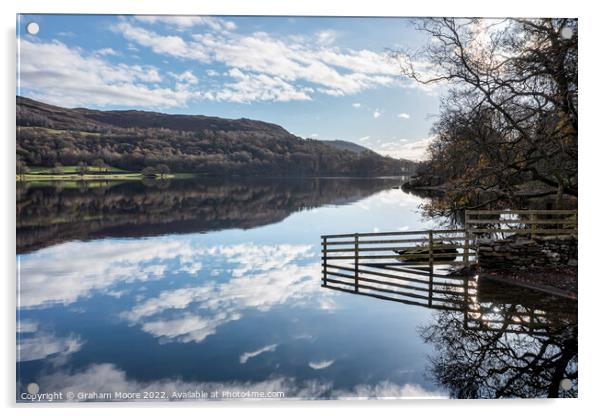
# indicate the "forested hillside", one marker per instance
pixel 134 140
pixel 345 145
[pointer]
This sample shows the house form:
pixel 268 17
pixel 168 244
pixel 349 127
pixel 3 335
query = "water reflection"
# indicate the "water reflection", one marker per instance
pixel 106 378
pixel 519 346
pixel 261 278
pixel 164 304
pixel 491 340
pixel 48 215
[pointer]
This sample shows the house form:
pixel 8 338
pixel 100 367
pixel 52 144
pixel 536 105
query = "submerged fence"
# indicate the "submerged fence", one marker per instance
pixel 397 265
pixel 409 266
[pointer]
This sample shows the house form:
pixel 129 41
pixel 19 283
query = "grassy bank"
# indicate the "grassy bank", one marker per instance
pixel 71 174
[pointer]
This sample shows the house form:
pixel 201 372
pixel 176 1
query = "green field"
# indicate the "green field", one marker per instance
pixel 39 170
pixel 70 174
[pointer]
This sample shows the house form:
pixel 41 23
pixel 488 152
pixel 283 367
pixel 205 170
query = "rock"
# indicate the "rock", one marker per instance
pixel 521 253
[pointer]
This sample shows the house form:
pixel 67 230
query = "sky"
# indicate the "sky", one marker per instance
pixel 318 77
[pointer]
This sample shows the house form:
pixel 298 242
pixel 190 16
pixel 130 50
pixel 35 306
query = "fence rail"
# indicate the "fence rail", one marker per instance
pixel 501 223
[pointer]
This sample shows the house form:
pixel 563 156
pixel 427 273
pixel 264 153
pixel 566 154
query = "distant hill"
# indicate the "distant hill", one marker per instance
pixel 85 119
pixel 133 140
pixel 345 145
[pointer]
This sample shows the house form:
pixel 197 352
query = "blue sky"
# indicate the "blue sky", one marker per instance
pixel 325 78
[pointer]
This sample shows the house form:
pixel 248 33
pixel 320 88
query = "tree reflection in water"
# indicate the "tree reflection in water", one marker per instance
pixel 52 214
pixel 508 343
pixel 490 340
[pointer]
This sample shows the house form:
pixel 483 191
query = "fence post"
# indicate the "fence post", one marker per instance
pixel 431 286
pixel 356 262
pixel 533 218
pixel 466 302
pixel 431 249
pixel 466 238
pixel 324 253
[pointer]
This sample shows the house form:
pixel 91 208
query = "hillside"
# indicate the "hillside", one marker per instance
pixel 345 145
pixel 132 140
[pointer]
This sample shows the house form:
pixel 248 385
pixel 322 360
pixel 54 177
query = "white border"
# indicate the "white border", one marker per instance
pixel 589 210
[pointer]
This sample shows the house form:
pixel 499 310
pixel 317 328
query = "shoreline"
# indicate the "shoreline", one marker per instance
pixel 138 176
pixel 98 178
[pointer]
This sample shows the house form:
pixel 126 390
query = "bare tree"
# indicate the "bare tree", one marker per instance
pixel 510 115
pixel 100 165
pixel 162 170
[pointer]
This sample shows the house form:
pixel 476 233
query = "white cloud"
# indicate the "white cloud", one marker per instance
pixel 298 65
pixel 260 66
pixel 45 345
pixel 26 326
pixel 376 114
pixel 192 268
pixel 416 150
pixel 257 87
pixel 389 390
pixel 54 276
pixel 187 22
pixel 186 78
pixel 403 115
pixel 356 105
pixel 104 378
pixel 170 45
pixel 107 52
pixel 364 139
pixel 189 327
pixel 262 276
pixel 326 37
pixel 320 365
pixel 64 76
pixel 248 355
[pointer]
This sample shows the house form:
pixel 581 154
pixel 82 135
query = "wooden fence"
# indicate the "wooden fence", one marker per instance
pixel 388 262
pixel 532 223
pixel 410 266
pixel 371 263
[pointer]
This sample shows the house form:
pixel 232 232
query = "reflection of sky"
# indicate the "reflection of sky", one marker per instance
pixel 232 307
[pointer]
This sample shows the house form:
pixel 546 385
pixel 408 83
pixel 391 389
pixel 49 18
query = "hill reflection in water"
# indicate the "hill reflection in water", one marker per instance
pixel 48 215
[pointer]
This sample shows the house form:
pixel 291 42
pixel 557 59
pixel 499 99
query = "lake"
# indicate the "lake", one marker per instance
pixel 211 289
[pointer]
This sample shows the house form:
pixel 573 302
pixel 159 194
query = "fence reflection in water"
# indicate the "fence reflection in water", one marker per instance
pixel 403 266
pixel 415 268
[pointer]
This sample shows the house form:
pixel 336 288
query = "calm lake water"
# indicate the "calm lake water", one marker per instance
pixel 214 286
